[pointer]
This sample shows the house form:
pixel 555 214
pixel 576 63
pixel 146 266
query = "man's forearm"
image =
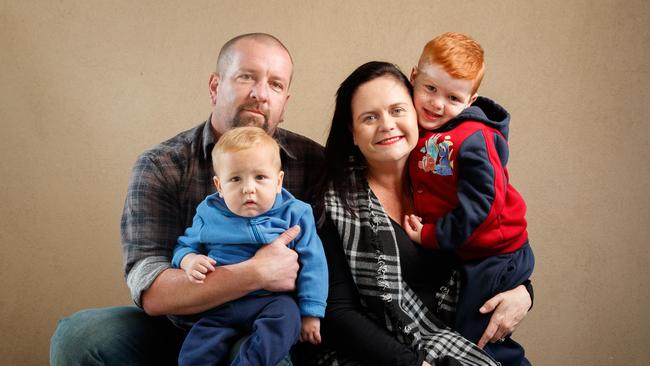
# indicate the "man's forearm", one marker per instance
pixel 274 268
pixel 173 293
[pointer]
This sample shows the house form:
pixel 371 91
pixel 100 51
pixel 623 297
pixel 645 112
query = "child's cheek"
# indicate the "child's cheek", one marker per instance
pixel 418 109
pixel 417 102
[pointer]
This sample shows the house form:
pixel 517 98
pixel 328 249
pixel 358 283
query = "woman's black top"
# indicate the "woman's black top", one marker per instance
pixel 348 329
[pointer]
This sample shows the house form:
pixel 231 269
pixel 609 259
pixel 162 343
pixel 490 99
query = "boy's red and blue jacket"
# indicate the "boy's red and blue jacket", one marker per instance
pixel 461 187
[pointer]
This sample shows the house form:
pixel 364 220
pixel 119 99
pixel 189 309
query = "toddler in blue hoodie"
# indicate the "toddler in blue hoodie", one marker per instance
pixel 251 209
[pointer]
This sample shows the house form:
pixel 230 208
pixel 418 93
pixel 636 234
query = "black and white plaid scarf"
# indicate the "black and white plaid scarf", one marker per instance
pixel 371 249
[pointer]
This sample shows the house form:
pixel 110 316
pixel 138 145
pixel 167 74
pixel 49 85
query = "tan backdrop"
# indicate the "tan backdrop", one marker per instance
pixel 85 86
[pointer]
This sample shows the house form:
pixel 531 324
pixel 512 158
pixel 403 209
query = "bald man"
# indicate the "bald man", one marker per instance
pixel 250 87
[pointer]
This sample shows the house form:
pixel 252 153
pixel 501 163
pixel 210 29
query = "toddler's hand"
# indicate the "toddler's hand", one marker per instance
pixel 413 227
pixel 196 266
pixel 310 330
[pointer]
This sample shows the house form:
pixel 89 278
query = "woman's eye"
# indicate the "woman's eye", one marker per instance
pixel 399 111
pixel 369 118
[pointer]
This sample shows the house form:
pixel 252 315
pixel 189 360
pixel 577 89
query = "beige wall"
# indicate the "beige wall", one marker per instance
pixel 85 86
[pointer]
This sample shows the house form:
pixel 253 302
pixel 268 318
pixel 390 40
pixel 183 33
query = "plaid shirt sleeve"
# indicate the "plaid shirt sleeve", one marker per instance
pixel 150 222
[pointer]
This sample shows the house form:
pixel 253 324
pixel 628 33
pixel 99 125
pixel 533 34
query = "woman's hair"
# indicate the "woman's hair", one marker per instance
pixel 342 156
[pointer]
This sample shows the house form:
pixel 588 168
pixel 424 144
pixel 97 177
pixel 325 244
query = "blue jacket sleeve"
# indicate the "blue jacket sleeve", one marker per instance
pixel 189 242
pixel 312 284
pixel 477 191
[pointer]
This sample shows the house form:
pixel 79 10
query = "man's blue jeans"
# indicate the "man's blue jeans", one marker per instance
pixel 122 335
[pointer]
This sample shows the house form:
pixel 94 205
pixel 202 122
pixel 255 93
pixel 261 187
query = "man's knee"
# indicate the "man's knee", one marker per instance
pixel 71 343
pixel 93 336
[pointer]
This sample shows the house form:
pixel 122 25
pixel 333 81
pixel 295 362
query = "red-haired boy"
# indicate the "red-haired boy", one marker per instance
pixel 462 194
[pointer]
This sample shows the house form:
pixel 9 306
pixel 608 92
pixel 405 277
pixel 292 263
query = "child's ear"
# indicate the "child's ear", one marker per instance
pixel 280 179
pixel 472 99
pixel 414 73
pixel 217 183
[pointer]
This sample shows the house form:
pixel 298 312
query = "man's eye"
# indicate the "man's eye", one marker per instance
pixel 277 86
pixel 245 77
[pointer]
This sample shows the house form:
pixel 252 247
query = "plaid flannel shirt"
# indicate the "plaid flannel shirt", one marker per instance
pixel 171 179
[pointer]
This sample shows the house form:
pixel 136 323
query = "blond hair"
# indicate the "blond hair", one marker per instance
pixel 242 138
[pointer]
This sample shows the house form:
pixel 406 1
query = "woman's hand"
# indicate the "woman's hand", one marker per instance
pixel 510 308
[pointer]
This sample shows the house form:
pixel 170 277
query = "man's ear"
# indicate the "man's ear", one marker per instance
pixel 414 73
pixel 280 179
pixel 284 108
pixel 213 83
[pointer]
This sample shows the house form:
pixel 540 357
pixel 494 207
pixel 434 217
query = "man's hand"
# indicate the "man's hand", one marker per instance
pixel 413 226
pixel 196 266
pixel 310 330
pixel 276 264
pixel 510 308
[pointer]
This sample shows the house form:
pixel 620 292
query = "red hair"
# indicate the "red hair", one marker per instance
pixel 459 55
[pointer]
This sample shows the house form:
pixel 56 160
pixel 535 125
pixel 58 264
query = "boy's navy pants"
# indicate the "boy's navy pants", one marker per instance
pixel 273 323
pixel 482 279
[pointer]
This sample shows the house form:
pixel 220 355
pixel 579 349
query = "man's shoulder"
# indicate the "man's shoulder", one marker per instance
pixel 295 204
pixel 296 141
pixel 185 143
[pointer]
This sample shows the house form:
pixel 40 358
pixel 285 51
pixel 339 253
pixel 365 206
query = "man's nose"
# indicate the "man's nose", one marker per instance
pixel 260 91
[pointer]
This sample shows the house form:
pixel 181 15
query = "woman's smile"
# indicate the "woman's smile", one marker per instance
pixel 390 140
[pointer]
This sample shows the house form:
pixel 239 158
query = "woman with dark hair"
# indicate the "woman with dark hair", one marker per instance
pixel 389 299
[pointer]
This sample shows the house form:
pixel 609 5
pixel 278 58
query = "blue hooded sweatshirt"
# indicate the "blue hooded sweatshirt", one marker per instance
pixel 229 238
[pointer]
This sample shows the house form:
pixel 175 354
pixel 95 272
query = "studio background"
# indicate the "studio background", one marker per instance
pixel 85 86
